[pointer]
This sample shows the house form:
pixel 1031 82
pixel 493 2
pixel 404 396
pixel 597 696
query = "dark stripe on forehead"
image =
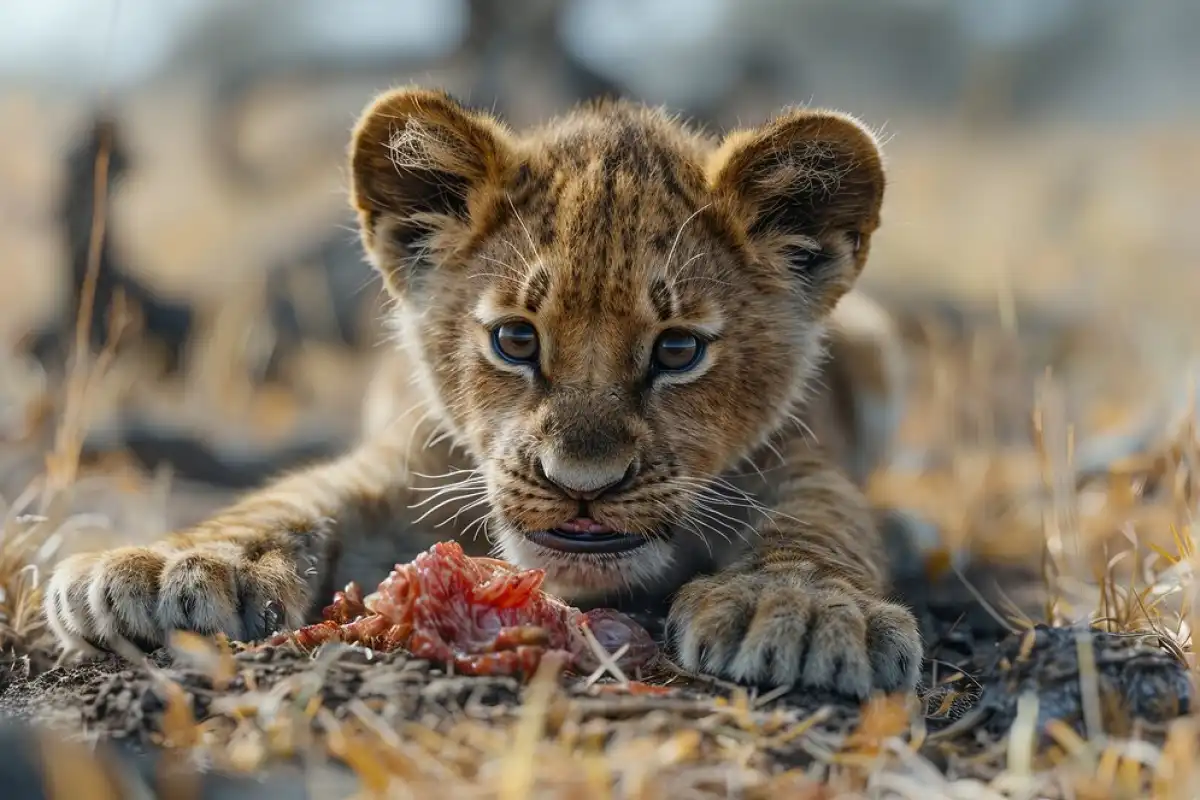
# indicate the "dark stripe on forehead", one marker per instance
pixel 627 147
pixel 662 299
pixel 533 202
pixel 548 217
pixel 668 172
pixel 536 289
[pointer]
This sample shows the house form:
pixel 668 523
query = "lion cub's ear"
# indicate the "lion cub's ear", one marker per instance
pixel 807 187
pixel 422 169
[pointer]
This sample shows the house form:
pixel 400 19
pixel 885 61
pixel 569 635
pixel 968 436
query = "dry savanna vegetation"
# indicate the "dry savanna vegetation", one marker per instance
pixel 1044 282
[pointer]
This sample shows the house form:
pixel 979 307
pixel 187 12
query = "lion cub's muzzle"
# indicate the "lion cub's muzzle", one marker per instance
pixel 584 482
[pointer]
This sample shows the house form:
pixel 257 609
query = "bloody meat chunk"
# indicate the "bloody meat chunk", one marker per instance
pixel 480 615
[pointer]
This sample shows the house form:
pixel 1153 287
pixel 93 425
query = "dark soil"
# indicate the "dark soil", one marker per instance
pixel 976 672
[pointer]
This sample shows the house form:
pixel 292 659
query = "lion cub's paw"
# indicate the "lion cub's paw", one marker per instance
pixel 776 630
pixel 244 589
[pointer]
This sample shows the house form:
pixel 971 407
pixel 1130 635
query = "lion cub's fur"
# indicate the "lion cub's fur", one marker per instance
pixel 602 229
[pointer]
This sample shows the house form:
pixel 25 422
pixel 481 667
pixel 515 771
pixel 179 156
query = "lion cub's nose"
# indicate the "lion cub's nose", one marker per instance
pixel 586 480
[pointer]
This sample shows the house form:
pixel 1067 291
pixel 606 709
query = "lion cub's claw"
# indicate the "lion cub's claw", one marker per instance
pixel 142 594
pixel 776 631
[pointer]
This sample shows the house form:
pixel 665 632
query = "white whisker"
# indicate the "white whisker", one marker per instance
pixel 444 503
pixel 482 501
pixel 470 478
pixel 702 511
pixel 532 247
pixel 476 525
pixel 449 474
pixel 679 233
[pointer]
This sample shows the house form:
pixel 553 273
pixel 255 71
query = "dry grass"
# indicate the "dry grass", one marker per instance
pixel 1115 539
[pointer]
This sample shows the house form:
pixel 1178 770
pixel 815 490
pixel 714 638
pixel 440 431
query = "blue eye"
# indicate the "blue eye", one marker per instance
pixel 677 351
pixel 516 342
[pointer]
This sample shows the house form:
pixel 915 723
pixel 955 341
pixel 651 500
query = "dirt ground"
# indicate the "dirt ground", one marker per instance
pixel 259 712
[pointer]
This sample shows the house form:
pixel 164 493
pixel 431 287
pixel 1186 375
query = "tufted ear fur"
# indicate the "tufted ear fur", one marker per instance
pixel 423 169
pixel 807 188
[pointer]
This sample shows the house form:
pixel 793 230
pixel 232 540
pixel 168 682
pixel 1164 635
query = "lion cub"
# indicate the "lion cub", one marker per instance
pixel 612 335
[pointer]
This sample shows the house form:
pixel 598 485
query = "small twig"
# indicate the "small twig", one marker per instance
pixel 768 697
pixel 608 662
pixel 1089 686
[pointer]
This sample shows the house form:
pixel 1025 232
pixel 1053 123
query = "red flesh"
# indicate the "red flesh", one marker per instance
pixel 481 615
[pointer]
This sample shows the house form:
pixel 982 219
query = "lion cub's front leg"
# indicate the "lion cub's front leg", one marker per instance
pixel 248 571
pixel 806 608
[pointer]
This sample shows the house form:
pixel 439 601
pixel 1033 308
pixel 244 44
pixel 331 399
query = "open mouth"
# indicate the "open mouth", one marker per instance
pixel 593 539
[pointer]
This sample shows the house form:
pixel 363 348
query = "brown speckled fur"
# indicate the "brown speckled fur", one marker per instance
pixel 603 229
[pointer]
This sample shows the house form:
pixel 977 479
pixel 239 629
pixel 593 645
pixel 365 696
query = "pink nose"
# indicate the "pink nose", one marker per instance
pixel 584 525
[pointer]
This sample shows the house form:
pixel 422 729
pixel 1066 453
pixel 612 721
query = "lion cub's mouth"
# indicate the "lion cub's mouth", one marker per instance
pixel 586 536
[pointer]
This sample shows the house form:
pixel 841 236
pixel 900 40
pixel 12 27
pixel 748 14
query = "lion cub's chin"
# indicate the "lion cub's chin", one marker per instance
pixel 578 578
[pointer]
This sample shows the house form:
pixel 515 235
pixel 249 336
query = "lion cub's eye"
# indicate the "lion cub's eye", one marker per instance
pixel 677 351
pixel 516 342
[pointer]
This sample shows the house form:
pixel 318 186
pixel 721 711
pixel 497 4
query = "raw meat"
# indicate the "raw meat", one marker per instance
pixel 481 616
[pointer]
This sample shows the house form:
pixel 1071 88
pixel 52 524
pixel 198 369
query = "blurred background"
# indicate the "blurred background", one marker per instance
pixel 1042 212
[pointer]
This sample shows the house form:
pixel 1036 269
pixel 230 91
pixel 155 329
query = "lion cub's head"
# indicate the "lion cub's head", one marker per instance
pixel 610 311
